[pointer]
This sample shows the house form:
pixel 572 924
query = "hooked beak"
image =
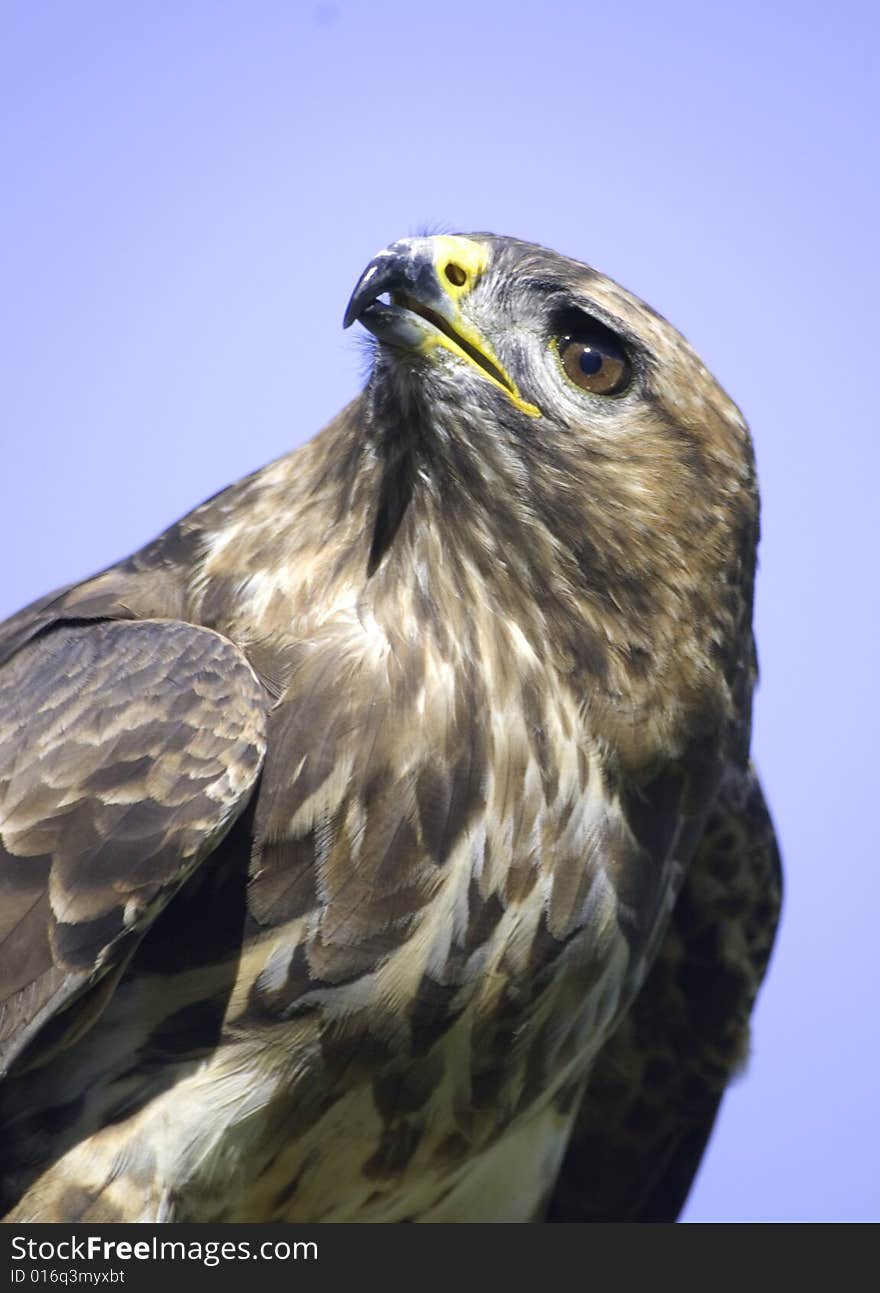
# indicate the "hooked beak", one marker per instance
pixel 426 279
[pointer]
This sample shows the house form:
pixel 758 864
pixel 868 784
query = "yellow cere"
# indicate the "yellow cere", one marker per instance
pixel 458 253
pixel 459 262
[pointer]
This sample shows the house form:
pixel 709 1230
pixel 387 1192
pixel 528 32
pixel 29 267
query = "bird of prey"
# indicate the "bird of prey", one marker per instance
pixel 380 843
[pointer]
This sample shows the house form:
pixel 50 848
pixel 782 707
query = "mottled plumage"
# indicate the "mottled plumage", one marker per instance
pixel 380 842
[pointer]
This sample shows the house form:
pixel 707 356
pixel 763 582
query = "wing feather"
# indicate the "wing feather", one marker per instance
pixel 127 750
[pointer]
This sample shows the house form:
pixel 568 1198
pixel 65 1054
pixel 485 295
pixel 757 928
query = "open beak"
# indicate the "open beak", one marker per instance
pixel 425 280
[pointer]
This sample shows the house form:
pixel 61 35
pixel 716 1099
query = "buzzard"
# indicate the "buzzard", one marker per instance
pixel 380 843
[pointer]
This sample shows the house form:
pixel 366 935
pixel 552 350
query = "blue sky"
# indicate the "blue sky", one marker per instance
pixel 192 189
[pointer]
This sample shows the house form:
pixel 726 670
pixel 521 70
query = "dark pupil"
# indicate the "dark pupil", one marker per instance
pixel 591 361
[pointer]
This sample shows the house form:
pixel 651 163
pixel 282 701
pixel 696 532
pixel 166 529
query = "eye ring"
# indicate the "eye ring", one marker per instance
pixel 594 362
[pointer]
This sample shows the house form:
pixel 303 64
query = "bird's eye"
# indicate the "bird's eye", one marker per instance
pixel 595 362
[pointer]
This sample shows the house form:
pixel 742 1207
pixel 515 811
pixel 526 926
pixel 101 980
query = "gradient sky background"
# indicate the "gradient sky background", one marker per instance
pixel 190 191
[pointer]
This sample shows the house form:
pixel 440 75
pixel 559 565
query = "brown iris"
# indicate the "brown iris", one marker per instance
pixel 595 362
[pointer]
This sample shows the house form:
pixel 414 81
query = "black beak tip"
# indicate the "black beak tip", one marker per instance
pixel 367 288
pixel 351 313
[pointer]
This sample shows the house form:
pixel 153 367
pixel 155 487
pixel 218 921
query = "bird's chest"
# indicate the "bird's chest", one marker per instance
pixel 441 1082
pixel 463 1117
pixel 427 862
pixel 439 946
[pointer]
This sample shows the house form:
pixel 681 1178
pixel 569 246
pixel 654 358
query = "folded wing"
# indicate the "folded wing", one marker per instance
pixel 127 750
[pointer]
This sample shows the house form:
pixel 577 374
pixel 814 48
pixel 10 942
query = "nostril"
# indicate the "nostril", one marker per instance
pixel 456 274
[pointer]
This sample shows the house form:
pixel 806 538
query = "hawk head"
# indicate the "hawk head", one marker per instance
pixel 572 447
